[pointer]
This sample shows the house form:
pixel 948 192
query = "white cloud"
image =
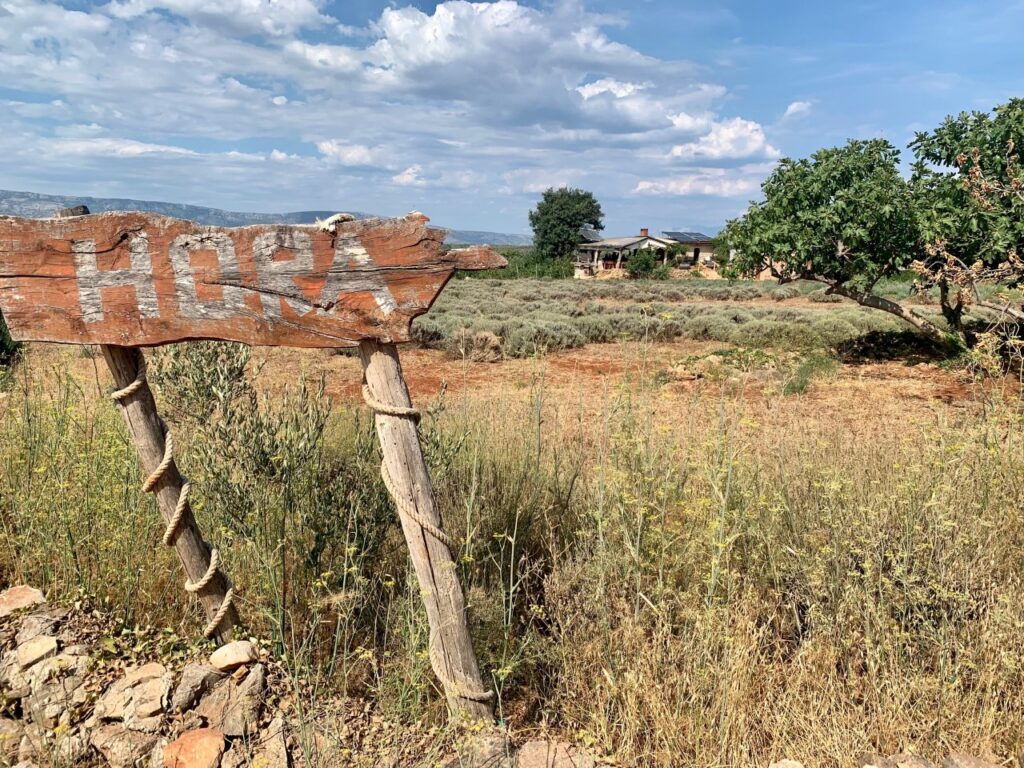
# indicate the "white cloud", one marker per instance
pixel 503 98
pixel 797 109
pixel 336 58
pixel 114 148
pixel 410 177
pixel 730 139
pixel 343 153
pixel 609 85
pixel 713 182
pixel 535 180
pixel 271 17
pixel 692 123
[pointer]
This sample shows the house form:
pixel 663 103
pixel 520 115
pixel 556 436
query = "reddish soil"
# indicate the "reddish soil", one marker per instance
pixel 584 376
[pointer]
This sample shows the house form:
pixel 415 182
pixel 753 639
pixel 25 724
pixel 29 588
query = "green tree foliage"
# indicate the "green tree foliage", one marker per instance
pixel 972 226
pixel 557 220
pixel 844 217
pixel 970 193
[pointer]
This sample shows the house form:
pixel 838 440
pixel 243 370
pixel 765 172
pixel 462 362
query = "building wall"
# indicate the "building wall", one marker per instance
pixel 706 252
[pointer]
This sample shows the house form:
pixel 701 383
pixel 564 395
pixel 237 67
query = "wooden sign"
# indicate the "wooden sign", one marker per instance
pixel 139 279
pixel 125 280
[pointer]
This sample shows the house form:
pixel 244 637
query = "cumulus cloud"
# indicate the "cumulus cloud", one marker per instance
pixel 797 109
pixel 500 99
pixel 610 85
pixel 730 139
pixel 692 123
pixel 346 154
pixel 410 177
pixel 710 182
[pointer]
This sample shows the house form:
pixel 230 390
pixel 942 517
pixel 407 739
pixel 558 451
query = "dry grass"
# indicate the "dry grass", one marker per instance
pixel 673 572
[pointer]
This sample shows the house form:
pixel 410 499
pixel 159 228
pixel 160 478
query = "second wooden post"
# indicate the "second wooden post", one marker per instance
pixel 405 472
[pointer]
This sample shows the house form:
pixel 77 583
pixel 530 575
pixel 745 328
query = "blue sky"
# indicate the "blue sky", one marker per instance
pixel 672 113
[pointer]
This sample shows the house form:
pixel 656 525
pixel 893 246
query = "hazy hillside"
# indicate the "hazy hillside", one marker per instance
pixel 36 205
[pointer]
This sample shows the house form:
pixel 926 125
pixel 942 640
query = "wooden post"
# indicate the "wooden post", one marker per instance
pixel 451 649
pixel 146 428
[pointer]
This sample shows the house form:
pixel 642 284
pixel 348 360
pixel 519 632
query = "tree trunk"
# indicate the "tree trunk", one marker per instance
pixel 954 314
pixel 146 429
pixel 451 649
pixel 873 301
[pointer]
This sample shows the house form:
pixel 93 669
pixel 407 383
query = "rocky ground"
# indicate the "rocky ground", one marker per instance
pixel 73 692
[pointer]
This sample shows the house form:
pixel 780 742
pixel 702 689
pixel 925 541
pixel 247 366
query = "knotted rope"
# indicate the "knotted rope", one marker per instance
pixel 174 524
pixel 463 689
pixel 407 508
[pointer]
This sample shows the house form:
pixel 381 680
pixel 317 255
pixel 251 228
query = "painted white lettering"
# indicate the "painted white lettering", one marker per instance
pixel 276 275
pixel 232 301
pixel 91 281
pixel 353 271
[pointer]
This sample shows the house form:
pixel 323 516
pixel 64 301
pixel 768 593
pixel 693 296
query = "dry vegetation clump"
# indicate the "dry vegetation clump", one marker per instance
pixel 670 580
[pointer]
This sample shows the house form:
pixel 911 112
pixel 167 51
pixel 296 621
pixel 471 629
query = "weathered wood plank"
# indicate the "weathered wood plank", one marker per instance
pixel 147 431
pixel 451 648
pixel 139 279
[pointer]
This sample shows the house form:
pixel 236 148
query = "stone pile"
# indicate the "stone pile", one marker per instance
pixel 67 699
pixel 61 707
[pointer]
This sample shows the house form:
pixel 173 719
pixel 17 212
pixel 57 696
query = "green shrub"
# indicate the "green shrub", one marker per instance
pixel 530 317
pixel 642 264
pixel 523 262
pixel 822 296
pixel 815 365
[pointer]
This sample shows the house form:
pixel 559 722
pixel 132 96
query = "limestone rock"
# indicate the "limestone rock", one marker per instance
pixel 872 760
pixel 121 747
pixel 236 757
pixel 201 748
pixel 11 732
pixel 156 756
pixel 40 622
pixel 33 743
pixel 233 655
pixel 907 760
pixel 196 680
pixel 550 754
pixel 72 748
pixel 137 698
pixel 18 598
pixel 36 649
pixel 962 760
pixel 487 749
pixel 12 677
pixel 786 763
pixel 234 707
pixel 53 698
pixel 272 751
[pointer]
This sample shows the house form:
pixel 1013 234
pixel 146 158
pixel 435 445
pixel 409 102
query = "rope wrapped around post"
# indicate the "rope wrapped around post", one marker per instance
pixel 174 524
pixel 406 508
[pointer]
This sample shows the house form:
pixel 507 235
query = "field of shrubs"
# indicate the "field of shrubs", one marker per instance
pixel 489 319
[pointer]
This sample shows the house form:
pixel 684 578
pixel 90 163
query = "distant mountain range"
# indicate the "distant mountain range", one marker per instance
pixel 34 205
